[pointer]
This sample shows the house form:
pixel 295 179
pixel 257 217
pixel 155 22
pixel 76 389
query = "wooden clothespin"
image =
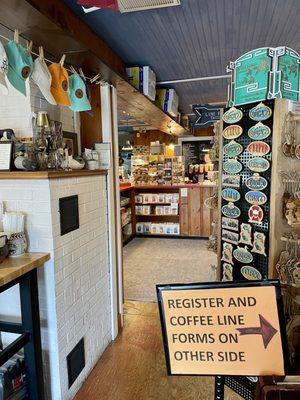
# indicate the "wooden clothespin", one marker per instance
pixel 62 60
pixel 41 52
pixel 82 74
pixel 73 70
pixel 16 35
pixel 96 77
pixel 29 45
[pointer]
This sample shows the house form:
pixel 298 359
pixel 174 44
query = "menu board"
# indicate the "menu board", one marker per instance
pixel 193 152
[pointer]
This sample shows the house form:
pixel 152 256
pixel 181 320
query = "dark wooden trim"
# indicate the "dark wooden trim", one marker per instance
pixel 69 22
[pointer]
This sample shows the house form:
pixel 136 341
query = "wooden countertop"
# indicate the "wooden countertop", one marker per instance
pixel 168 187
pixel 14 267
pixel 51 174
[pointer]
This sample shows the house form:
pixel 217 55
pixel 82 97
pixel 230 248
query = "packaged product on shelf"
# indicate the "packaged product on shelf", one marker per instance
pixel 161 198
pixel 143 79
pixel 154 198
pixel 139 210
pixel 175 198
pixel 147 227
pixel 169 198
pixel 167 100
pixel 168 229
pixel 154 229
pixel 140 227
pixel 161 229
pixel 147 197
pixel 176 229
pixel 174 209
pixel 159 210
pixel 167 210
pixel 146 210
pixel 139 198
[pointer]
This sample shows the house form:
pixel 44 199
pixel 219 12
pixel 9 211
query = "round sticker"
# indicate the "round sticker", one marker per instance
pixel 255 214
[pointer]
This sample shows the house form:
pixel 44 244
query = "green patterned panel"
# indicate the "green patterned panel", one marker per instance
pixel 251 77
pixel 288 64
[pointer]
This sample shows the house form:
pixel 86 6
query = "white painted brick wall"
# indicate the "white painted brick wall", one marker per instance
pixel 74 286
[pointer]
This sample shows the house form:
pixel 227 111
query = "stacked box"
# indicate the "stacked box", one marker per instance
pixel 167 100
pixel 143 79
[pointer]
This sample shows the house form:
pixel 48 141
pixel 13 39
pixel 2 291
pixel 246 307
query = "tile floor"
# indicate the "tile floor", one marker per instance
pixel 149 261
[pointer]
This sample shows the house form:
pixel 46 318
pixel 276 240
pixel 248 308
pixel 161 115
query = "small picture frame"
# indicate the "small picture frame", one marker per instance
pixel 70 141
pixel 6 152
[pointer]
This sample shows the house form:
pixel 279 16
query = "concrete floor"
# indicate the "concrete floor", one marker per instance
pixel 150 261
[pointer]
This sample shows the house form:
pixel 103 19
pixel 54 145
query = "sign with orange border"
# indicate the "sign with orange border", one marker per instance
pixel 234 328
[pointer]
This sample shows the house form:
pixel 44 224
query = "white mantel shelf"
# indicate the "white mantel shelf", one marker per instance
pixel 50 174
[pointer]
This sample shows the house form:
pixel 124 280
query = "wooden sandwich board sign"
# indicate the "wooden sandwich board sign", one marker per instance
pixel 232 328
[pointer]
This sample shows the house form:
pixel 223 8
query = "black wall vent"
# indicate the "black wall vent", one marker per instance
pixel 69 215
pixel 75 362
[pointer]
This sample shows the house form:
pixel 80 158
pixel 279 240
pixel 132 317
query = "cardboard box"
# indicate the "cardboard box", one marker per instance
pixel 167 100
pixel 143 79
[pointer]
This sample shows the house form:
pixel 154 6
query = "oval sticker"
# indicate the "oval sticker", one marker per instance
pixel 243 255
pixel 230 194
pixel 232 115
pixel 256 197
pixel 259 131
pixel 260 112
pixel 233 149
pixel 232 132
pixel 251 273
pixel 232 166
pixel 231 211
pixel 256 182
pixel 258 148
pixel 258 164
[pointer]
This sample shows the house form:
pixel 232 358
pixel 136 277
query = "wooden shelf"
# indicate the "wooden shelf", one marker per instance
pixel 51 174
pixel 154 217
pixel 141 108
pixel 154 204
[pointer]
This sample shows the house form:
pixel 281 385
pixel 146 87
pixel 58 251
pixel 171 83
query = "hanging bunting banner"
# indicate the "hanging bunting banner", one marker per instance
pixel 205 115
pixel 106 4
pixel 265 73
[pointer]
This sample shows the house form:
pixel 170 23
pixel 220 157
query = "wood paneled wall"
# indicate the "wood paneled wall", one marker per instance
pixel 204 131
pixel 144 139
pixel 90 125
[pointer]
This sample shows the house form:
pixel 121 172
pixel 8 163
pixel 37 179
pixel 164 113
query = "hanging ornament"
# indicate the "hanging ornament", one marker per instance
pixel 258 148
pixel 230 237
pixel 251 273
pixel 227 272
pixel 243 255
pixel 231 180
pixel 256 197
pixel 245 236
pixel 232 166
pixel 230 223
pixel 255 214
pixel 259 131
pixel 256 182
pixel 232 132
pixel 232 115
pixel 231 211
pixel 259 243
pixel 260 112
pixel 232 149
pixel 230 194
pixel 227 253
pixel 258 164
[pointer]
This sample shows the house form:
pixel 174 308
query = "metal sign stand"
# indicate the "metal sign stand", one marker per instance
pixel 219 387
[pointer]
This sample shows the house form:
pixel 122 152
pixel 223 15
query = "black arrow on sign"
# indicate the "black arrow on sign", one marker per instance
pixel 266 330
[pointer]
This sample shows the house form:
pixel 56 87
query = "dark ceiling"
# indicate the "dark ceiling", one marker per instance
pixel 196 39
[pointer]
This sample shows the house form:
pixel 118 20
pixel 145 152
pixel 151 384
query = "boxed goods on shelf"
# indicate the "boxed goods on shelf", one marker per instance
pixel 158 228
pixel 167 100
pixel 139 227
pixel 146 210
pixel 161 198
pixel 143 79
pixel 139 210
pixel 139 198
pixel 159 210
pixel 147 227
